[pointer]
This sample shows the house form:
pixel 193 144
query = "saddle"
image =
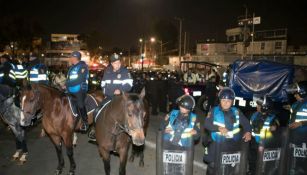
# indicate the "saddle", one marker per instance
pixel 100 107
pixel 90 104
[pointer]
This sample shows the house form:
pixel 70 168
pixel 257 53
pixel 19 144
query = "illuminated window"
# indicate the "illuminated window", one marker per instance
pixel 278 45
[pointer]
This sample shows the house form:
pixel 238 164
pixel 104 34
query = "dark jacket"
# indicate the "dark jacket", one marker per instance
pixel 111 81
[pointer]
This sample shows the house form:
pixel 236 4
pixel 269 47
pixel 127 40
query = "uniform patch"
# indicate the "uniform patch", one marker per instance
pixel 119 75
pixel 82 70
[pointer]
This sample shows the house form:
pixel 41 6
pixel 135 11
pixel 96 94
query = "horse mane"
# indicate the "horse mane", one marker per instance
pixel 52 89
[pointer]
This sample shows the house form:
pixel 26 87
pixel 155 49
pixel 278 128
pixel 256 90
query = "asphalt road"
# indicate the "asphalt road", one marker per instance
pixel 42 158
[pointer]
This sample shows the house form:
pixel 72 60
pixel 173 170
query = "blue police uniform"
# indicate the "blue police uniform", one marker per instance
pixel 111 81
pixel 181 127
pixel 77 86
pixel 264 131
pixel 38 72
pixel 231 120
pixel 7 74
pixel 299 114
pixel 77 78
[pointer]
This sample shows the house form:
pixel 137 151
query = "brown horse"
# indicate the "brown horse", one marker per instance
pixel 58 120
pixel 121 120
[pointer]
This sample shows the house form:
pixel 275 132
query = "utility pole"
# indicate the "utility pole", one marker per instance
pixel 180 35
pixel 253 33
pixel 185 43
pixel 244 33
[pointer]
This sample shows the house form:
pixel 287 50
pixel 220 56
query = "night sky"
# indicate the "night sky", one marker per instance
pixel 124 21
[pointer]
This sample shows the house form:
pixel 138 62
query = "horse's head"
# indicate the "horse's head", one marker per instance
pixel 30 104
pixel 134 116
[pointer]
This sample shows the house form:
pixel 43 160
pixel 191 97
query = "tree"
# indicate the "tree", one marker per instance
pixel 18 33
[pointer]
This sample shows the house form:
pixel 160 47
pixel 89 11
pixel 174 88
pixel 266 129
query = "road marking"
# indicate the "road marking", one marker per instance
pixel 198 164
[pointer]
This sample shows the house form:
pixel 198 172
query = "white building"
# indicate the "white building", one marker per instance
pixel 61 46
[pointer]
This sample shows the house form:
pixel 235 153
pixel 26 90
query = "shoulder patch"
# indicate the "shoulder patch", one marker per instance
pixel 83 70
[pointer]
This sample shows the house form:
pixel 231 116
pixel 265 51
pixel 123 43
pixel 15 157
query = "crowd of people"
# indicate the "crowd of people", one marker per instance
pixel 222 123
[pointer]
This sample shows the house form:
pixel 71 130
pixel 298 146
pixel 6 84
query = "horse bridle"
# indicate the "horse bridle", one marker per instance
pixel 37 106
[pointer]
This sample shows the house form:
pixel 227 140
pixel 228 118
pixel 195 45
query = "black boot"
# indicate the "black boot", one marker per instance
pixel 83 115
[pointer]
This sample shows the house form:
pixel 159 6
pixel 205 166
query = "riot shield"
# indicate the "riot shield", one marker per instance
pixel 297 151
pixel 270 154
pixel 230 157
pixel 173 160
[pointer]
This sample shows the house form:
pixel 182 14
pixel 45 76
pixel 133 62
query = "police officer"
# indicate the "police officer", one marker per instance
pixel 7 74
pixel 20 72
pixel 263 122
pixel 223 123
pixel 181 125
pixel 77 85
pixel 298 109
pixel 174 90
pixel 116 79
pixel 38 72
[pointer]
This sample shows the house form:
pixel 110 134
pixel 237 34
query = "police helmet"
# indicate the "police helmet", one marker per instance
pixel 299 88
pixel 227 93
pixel 266 103
pixel 186 101
pixel 114 57
pixel 76 54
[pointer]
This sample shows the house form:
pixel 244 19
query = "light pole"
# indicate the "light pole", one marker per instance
pixel 141 52
pixel 180 37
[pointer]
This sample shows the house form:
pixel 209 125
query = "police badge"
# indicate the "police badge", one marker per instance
pixel 119 75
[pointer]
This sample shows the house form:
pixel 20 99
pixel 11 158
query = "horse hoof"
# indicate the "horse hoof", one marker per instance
pixel 141 164
pixel 71 173
pixel 20 163
pixel 131 158
pixel 58 172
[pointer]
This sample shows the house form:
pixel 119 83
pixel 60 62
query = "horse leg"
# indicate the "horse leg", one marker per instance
pixel 133 152
pixel 123 154
pixel 141 162
pixel 106 160
pixel 70 152
pixel 23 145
pixel 58 147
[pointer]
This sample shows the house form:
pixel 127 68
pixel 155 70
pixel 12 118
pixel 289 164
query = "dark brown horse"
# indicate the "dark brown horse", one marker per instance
pixel 138 151
pixel 58 120
pixel 119 122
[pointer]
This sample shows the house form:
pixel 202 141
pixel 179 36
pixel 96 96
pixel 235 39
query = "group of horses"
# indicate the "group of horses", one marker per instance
pixel 122 122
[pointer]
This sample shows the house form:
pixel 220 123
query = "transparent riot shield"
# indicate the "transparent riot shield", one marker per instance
pixel 231 157
pixel 270 154
pixel 297 151
pixel 173 160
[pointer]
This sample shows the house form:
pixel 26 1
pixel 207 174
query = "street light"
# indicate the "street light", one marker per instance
pixel 152 39
pixel 140 40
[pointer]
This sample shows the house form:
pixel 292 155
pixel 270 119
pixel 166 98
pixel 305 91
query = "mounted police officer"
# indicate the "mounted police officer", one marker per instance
pixel 38 72
pixel 7 74
pixel 77 85
pixel 181 125
pixel 223 122
pixel 263 122
pixel 116 79
pixel 20 72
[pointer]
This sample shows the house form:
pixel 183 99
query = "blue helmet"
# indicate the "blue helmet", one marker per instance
pixel 227 93
pixel 76 54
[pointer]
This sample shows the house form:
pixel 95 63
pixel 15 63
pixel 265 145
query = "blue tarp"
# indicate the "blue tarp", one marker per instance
pixel 258 78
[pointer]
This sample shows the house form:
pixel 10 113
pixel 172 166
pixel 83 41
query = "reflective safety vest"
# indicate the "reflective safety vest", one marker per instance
pixel 300 115
pixel 219 120
pixel 37 77
pixel 265 130
pixel 20 72
pixel 73 76
pixel 186 135
pixel 11 75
